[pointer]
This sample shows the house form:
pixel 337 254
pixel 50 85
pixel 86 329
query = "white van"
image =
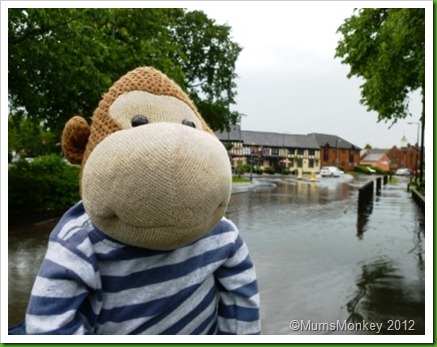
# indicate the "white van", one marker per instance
pixel 331 171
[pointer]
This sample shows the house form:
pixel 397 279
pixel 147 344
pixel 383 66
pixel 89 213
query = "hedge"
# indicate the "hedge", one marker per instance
pixel 364 170
pixel 47 183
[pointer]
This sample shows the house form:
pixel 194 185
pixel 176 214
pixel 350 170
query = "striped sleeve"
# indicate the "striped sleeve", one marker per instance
pixel 65 281
pixel 239 297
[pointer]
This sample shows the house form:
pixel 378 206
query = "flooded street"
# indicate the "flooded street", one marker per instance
pixel 26 248
pixel 317 260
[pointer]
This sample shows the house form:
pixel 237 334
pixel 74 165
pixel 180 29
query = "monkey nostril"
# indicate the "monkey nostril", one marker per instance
pixel 188 123
pixel 139 120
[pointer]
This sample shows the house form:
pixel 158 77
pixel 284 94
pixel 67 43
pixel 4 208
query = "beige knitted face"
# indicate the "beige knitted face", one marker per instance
pixel 156 108
pixel 160 185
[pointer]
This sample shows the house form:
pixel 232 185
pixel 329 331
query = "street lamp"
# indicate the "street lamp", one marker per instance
pixel 336 155
pixel 251 162
pixel 418 130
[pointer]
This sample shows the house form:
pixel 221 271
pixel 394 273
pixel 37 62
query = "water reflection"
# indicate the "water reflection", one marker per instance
pixel 387 297
pixel 26 251
pixel 362 220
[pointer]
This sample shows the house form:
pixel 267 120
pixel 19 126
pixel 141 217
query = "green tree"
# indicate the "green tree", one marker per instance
pixel 62 60
pixel 209 65
pixel 386 47
pixel 29 139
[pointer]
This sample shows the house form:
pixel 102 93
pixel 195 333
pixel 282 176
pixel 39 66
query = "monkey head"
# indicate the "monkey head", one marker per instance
pixel 153 174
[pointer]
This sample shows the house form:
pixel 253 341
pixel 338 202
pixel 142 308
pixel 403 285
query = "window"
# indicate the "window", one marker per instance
pixel 300 151
pixel 311 152
pixel 311 163
pixel 275 151
pixel 283 152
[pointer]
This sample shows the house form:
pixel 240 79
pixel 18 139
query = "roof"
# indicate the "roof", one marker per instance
pixel 279 140
pixel 234 134
pixel 268 138
pixel 373 157
pixel 379 150
pixel 333 141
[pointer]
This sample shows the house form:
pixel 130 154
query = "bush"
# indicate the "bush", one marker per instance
pixel 380 171
pixel 245 168
pixel 361 169
pixel 364 170
pixel 270 170
pixel 420 187
pixel 46 183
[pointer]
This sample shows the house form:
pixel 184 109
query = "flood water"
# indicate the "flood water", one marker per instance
pixel 318 261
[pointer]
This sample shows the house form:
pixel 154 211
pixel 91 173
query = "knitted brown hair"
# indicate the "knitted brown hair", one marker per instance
pixel 78 140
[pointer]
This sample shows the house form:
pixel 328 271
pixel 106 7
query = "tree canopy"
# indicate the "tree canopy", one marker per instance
pixel 61 61
pixel 386 47
pixel 29 139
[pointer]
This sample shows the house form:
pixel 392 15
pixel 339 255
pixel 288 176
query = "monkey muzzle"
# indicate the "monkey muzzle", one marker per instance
pixel 158 186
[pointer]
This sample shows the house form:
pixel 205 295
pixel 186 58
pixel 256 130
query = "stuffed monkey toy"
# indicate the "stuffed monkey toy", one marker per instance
pixel 147 250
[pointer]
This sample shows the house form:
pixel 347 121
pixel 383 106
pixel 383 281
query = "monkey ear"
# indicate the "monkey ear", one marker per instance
pixel 75 138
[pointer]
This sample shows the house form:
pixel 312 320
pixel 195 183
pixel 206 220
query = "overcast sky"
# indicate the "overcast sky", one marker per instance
pixel 289 80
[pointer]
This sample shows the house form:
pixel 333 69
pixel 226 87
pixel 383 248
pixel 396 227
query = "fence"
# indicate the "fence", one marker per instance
pixel 418 198
pixel 366 192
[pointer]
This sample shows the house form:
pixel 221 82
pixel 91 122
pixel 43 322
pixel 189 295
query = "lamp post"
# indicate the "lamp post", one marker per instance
pixel 336 155
pixel 418 131
pixel 251 162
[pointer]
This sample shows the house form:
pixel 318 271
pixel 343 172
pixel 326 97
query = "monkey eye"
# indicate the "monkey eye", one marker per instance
pixel 188 123
pixel 139 119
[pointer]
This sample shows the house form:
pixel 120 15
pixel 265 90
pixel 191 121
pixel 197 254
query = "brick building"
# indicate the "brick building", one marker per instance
pixel 376 158
pixel 404 157
pixel 306 152
pixel 336 151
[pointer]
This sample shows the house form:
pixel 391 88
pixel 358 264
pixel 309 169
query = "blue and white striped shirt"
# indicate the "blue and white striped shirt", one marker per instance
pixel 91 284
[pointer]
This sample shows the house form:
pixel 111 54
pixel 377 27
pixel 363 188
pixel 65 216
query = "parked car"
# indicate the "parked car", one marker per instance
pixel 331 171
pixel 403 172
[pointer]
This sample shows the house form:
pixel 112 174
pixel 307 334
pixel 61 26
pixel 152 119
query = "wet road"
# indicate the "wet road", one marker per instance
pixel 317 260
